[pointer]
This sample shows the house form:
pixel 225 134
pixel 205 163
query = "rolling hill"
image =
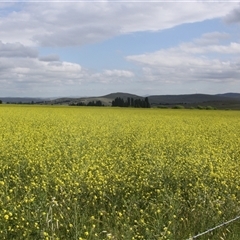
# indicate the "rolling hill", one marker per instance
pixel 219 101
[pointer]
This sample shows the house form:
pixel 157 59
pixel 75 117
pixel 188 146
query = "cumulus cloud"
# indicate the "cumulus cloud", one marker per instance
pixel 49 58
pixel 118 73
pixel 19 63
pixel 112 76
pixel 65 24
pixel 33 70
pixel 61 24
pixel 211 38
pixel 16 50
pixel 30 76
pixel 233 16
pixel 192 61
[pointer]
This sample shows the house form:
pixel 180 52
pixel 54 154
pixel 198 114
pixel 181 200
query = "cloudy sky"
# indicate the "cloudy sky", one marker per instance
pixel 92 48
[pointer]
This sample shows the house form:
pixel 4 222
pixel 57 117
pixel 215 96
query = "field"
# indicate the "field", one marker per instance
pixel 110 173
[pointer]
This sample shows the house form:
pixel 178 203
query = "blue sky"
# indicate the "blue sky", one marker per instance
pixel 92 48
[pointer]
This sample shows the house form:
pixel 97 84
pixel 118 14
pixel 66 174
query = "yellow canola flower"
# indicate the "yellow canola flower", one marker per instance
pixel 69 171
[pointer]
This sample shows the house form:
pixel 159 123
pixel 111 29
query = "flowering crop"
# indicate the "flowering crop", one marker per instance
pixel 111 173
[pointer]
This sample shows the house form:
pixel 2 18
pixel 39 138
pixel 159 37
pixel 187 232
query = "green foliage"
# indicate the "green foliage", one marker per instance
pixel 178 107
pixel 200 107
pixel 130 102
pixel 98 103
pixel 162 106
pixel 210 108
pixel 205 108
pixel 0 101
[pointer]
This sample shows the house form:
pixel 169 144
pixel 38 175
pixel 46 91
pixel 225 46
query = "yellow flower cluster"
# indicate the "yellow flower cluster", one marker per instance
pixel 112 173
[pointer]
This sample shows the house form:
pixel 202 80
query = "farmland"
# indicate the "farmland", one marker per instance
pixel 111 173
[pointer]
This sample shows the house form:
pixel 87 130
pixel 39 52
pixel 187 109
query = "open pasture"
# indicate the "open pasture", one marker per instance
pixel 113 173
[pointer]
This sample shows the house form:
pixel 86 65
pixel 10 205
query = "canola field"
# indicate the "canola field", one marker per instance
pixel 113 173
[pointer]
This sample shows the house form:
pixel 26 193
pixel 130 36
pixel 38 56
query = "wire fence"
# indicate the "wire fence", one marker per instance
pixel 211 229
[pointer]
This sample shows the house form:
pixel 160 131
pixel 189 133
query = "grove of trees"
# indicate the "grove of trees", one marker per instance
pixel 130 102
pixel 91 103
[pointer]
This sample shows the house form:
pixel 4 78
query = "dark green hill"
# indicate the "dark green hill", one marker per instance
pixel 230 95
pixel 122 95
pixel 186 99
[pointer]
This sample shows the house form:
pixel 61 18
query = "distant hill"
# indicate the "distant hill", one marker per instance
pixel 22 100
pixel 86 100
pixel 122 95
pixel 230 95
pixel 186 99
pixel 219 101
pixel 106 99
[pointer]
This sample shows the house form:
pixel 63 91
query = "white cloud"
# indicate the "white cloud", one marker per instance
pixel 65 24
pixel 49 58
pixel 211 38
pixel 47 75
pixel 23 71
pixel 192 62
pixel 118 73
pixel 62 67
pixel 232 48
pixel 16 50
pixel 31 76
pixel 233 16
pixel 112 76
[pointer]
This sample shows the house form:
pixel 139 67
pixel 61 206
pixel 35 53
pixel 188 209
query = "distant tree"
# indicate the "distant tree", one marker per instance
pixel 77 104
pixel 210 108
pixel 200 107
pixel 0 101
pixel 99 103
pixel 147 102
pixel 138 103
pixel 118 102
pixel 178 107
pixel 132 102
pixel 81 104
pixel 91 103
pixel 128 102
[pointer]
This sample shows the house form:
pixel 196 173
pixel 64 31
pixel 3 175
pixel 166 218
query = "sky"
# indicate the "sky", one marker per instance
pixel 93 48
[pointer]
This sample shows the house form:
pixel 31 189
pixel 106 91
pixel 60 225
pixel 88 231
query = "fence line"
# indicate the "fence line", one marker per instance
pixel 211 229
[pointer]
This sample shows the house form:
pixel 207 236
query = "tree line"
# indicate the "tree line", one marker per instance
pixel 130 102
pixel 91 103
